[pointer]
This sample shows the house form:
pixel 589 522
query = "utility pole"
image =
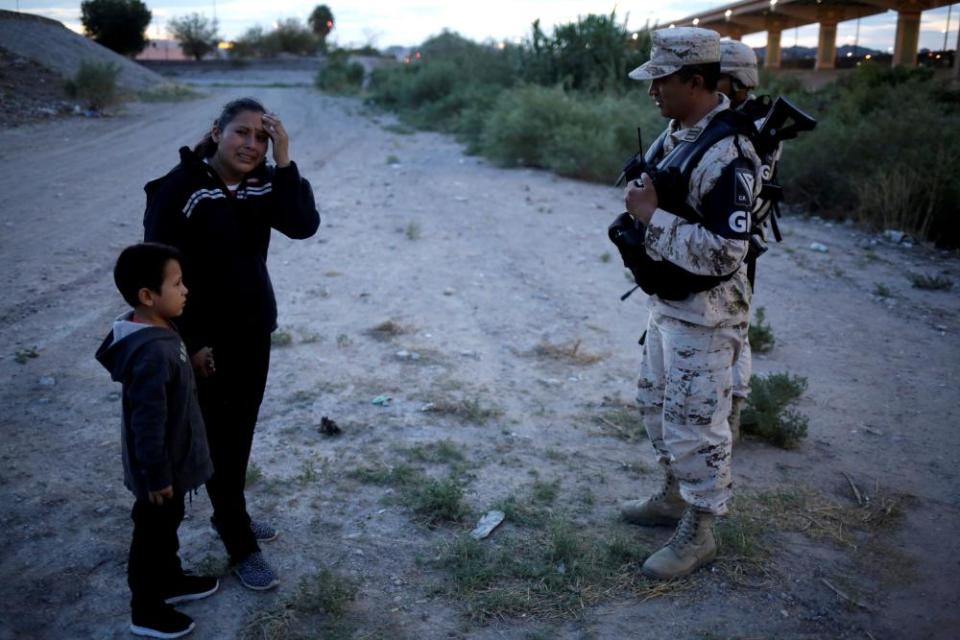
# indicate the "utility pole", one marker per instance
pixel 946 30
pixel 956 59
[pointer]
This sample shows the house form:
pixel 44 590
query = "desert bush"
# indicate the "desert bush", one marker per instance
pixel 760 333
pixel 169 92
pixel 768 414
pixel 930 283
pixel 884 151
pixel 575 136
pixel 340 75
pixel 95 84
pixel 290 36
pixel 593 54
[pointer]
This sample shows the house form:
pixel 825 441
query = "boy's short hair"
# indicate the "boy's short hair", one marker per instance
pixel 142 265
pixel 709 71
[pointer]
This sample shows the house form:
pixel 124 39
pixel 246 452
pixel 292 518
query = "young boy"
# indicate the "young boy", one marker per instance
pixel 165 452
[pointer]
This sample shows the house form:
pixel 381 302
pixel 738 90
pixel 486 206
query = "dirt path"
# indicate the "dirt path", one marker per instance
pixel 478 265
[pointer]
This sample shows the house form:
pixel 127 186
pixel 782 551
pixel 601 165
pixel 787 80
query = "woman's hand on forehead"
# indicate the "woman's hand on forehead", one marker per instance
pixel 278 134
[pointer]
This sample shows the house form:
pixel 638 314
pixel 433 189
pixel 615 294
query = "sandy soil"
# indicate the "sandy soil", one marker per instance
pixel 481 265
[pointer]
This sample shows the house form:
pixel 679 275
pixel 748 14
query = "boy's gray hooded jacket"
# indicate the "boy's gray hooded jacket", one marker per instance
pixel 164 440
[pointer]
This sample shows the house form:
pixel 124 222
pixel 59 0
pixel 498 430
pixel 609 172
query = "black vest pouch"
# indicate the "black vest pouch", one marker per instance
pixel 671 178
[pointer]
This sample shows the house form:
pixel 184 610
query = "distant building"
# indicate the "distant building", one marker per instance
pixel 162 50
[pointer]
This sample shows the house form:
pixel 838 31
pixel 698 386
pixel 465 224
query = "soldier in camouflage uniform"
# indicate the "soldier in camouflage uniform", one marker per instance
pixel 738 72
pixel 684 390
pixel 738 77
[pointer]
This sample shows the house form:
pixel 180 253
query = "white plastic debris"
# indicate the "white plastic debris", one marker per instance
pixel 490 521
pixel 817 246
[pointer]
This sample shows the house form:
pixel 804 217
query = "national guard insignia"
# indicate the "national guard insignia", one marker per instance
pixel 743 193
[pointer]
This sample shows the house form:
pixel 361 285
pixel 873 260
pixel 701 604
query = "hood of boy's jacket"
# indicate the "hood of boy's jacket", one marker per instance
pixel 123 341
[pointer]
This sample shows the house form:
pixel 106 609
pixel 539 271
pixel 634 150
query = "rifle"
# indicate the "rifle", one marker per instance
pixel 784 121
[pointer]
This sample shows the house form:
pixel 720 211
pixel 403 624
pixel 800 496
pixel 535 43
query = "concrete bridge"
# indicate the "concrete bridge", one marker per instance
pixel 773 16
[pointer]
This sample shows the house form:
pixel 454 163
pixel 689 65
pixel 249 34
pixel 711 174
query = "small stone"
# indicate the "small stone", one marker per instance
pixel 449 291
pixel 894 236
pixel 819 247
pixel 47 381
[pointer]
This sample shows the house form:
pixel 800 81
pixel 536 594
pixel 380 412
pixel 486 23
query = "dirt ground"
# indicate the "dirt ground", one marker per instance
pixel 477 266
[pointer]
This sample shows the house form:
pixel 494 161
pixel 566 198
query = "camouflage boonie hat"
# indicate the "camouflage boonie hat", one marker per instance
pixel 740 62
pixel 678 47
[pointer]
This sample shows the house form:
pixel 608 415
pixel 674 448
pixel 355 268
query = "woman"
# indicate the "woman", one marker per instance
pixel 218 207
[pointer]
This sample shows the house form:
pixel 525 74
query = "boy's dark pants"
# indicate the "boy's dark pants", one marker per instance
pixel 230 401
pixel 153 562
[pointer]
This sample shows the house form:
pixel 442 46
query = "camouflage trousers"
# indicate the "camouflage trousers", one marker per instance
pixel 743 368
pixel 684 393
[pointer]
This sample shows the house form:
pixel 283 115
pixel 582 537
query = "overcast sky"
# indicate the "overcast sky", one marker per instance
pixel 409 22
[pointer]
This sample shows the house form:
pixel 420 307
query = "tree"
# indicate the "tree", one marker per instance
pixel 120 25
pixel 290 36
pixel 321 22
pixel 196 34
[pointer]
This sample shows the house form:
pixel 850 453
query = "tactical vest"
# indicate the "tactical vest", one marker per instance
pixel 671 178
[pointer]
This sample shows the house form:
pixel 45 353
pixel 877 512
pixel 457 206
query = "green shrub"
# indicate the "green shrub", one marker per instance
pixel 884 150
pixel 95 84
pixel 289 36
pixel 575 136
pixel 760 334
pixel 169 93
pixel 768 415
pixel 930 283
pixel 438 501
pixel 340 75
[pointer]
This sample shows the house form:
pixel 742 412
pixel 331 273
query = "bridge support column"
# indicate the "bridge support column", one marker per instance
pixel 827 45
pixel 907 38
pixel 772 58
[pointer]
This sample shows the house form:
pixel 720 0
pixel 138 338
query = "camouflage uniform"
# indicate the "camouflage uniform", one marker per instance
pixel 686 370
pixel 740 62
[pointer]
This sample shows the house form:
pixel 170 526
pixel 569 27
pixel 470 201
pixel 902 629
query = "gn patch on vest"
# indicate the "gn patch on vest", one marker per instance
pixel 739 222
pixel 743 190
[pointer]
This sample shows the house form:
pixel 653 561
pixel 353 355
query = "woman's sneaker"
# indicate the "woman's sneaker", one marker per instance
pixel 188 587
pixel 261 530
pixel 165 622
pixel 255 573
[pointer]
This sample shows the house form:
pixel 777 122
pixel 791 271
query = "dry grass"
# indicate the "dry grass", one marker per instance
pixel 465 409
pixel 317 606
pixel 567 352
pixel 550 572
pixel 621 420
pixel 388 330
pixel 746 535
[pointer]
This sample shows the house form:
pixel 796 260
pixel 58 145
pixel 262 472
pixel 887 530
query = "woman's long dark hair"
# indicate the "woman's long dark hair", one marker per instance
pixel 207 147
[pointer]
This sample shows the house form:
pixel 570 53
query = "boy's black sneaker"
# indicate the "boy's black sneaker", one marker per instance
pixel 188 587
pixel 165 622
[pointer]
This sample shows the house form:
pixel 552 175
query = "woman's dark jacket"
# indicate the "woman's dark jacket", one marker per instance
pixel 224 239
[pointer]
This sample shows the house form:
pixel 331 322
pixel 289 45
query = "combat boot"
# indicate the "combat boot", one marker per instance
pixel 663 508
pixel 691 546
pixel 735 406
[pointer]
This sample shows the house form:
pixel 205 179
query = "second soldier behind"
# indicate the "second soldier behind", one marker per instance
pixel 738 77
pixel 699 224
